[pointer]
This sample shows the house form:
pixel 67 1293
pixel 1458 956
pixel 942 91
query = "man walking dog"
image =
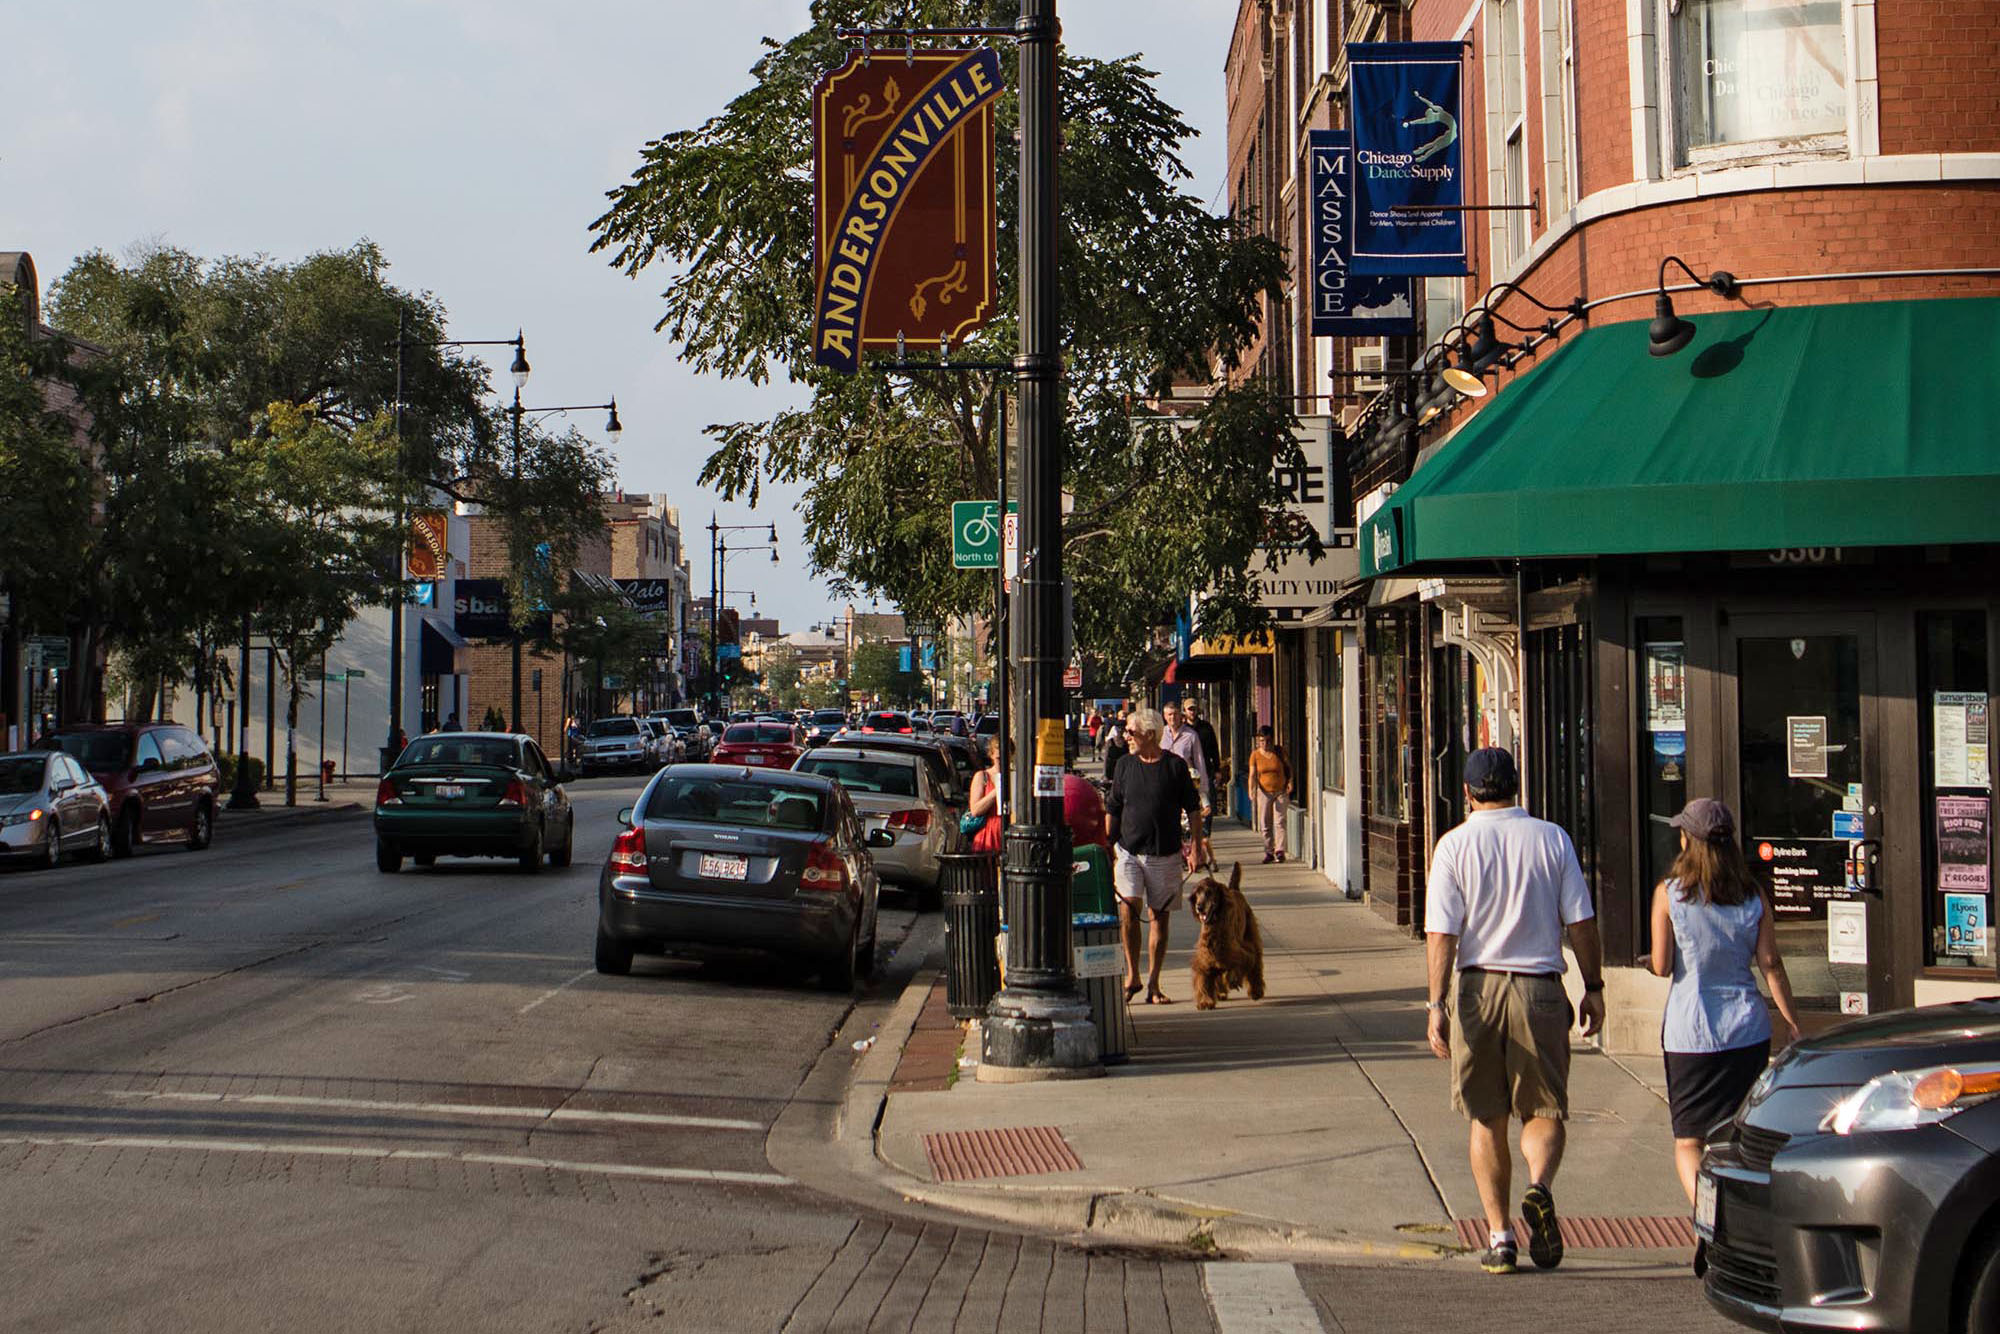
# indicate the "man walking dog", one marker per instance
pixel 1503 888
pixel 1150 790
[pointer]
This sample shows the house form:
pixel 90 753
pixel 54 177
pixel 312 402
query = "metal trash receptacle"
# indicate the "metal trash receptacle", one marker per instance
pixel 1100 976
pixel 1295 834
pixel 971 891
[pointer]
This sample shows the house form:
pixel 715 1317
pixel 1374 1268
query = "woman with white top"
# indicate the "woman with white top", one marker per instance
pixel 1711 919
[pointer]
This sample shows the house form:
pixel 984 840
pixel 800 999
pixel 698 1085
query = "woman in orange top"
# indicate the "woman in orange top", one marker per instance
pixel 1270 781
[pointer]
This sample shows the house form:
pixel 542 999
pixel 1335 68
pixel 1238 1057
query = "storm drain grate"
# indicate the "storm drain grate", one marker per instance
pixel 969 1155
pixel 1585 1233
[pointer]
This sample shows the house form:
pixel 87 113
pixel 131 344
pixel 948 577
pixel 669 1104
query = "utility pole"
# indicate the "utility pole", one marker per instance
pixel 513 620
pixel 714 615
pixel 1038 1027
pixel 243 793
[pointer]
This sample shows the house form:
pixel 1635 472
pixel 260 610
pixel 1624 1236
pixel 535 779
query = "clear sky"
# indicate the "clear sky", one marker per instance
pixel 473 140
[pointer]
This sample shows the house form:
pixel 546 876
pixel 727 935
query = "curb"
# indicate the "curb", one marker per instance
pixel 272 817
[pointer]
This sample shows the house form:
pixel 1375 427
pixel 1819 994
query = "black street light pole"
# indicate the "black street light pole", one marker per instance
pixel 1038 1027
pixel 718 554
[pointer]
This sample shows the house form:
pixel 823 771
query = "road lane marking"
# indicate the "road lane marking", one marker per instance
pixel 553 992
pixel 386 993
pixel 384 1154
pixel 124 922
pixel 1258 1298
pixel 450 1109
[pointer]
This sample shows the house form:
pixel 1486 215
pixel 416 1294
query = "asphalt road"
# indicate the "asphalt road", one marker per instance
pixel 266 1085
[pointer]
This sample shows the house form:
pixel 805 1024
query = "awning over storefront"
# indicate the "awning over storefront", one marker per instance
pixel 437 652
pixel 1870 424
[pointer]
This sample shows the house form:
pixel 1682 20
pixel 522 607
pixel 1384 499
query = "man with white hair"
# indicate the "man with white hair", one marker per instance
pixel 1150 790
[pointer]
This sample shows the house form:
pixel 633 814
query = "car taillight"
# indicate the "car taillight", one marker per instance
pixel 906 730
pixel 824 869
pixel 516 793
pixel 386 794
pixel 917 822
pixel 628 852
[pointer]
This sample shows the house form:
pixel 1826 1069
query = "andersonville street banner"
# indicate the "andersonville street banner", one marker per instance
pixel 903 222
pixel 1404 99
pixel 429 552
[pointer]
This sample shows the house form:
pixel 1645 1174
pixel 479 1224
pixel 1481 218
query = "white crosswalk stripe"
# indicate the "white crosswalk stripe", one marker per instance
pixel 1257 1298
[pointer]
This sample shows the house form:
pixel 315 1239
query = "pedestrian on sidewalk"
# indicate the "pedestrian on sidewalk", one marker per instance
pixel 1115 746
pixel 1270 780
pixel 1095 725
pixel 1710 919
pixel 983 798
pixel 1182 740
pixel 1503 888
pixel 1150 791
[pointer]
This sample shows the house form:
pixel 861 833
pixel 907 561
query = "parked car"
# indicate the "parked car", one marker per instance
pixel 987 726
pixel 764 745
pixel 887 720
pixel 162 784
pixel 662 745
pixel 49 805
pixel 896 791
pixel 951 763
pixel 472 794
pixel 614 743
pixel 952 721
pixel 690 729
pixel 1859 1185
pixel 823 726
pixel 716 856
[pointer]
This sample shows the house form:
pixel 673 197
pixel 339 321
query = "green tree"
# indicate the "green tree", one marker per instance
pixel 878 672
pixel 45 493
pixel 781 675
pixel 1155 291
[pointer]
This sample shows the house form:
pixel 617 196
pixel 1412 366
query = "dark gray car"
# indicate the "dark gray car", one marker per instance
pixel 50 805
pixel 1859 1186
pixel 724 856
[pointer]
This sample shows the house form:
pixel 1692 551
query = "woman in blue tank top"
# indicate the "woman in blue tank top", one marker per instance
pixel 1711 919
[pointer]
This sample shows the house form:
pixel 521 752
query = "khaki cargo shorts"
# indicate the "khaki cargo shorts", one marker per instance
pixel 1510 1046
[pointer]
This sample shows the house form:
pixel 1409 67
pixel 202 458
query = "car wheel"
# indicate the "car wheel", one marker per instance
pixel 563 855
pixel 531 856
pixel 613 956
pixel 202 832
pixel 387 859
pixel 125 834
pixel 1982 1307
pixel 837 974
pixel 425 859
pixel 100 850
pixel 52 852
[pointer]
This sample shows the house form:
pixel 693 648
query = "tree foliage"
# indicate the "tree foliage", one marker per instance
pixel 1155 291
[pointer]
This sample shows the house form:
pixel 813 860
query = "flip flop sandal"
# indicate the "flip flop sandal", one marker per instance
pixel 1159 998
pixel 1134 990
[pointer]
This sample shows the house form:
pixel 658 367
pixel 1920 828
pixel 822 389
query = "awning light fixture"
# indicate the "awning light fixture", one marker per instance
pixel 1669 333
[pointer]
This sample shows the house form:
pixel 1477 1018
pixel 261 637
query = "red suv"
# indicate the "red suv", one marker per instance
pixel 163 785
pixel 766 745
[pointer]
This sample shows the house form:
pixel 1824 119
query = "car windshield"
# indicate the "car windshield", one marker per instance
pixel 735 801
pixel 96 751
pixel 825 716
pixel 613 727
pixel 862 775
pixel 494 752
pixel 683 718
pixel 20 775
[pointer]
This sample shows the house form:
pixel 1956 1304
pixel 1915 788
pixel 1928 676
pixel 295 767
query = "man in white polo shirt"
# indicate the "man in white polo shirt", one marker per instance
pixel 1503 888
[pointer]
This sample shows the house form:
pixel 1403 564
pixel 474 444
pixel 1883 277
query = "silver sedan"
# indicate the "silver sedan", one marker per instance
pixel 893 791
pixel 50 805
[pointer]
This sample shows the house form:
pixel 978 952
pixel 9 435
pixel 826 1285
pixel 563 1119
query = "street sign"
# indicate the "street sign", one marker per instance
pixel 1010 540
pixel 901 252
pixel 47 653
pixel 356 674
pixel 1073 676
pixel 975 535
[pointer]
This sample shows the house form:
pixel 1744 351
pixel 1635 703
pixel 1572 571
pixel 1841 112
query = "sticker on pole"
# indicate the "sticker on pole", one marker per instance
pixel 1048 780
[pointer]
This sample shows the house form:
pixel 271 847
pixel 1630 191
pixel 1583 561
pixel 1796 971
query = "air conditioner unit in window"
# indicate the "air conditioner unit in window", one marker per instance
pixel 1369 357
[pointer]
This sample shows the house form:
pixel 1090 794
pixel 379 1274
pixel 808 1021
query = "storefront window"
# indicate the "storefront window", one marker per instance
pixel 1391 730
pixel 1662 748
pixel 1955 725
pixel 1332 708
pixel 1558 727
pixel 1760 72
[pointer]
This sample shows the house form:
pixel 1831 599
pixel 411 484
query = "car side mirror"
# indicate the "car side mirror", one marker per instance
pixel 150 763
pixel 881 838
pixel 625 817
pixel 62 785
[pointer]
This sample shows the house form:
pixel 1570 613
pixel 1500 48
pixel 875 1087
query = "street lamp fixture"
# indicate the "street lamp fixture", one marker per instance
pixel 519 370
pixel 1475 357
pixel 613 428
pixel 719 553
pixel 1669 333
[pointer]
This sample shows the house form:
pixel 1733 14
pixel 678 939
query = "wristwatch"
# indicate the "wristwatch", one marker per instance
pixel 1436 1007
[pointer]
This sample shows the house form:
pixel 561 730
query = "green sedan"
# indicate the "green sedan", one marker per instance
pixel 472 794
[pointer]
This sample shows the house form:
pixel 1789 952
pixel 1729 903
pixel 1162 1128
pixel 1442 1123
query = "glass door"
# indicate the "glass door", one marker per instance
pixel 1807 797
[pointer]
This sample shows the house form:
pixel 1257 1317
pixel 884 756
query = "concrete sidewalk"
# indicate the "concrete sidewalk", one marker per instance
pixel 1315 1122
pixel 344 800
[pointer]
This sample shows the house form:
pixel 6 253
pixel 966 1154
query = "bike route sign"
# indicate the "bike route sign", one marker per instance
pixel 975 534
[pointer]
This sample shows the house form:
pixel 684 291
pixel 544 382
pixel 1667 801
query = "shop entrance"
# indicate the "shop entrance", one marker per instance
pixel 1808 794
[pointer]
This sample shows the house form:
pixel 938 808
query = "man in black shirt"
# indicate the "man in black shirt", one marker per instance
pixel 1150 791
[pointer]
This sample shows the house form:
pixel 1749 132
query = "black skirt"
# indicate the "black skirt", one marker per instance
pixel 1704 1088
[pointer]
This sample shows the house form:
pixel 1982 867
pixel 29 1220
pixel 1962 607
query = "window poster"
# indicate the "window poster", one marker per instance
pixel 1666 688
pixel 1965 924
pixel 1964 843
pixel 1805 746
pixel 1847 932
pixel 1959 737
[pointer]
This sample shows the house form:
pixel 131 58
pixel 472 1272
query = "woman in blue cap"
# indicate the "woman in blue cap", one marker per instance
pixel 1711 919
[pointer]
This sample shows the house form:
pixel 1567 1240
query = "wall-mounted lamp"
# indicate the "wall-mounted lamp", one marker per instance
pixel 1669 333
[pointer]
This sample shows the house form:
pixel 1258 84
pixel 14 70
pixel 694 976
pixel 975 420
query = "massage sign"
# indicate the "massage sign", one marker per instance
pixel 903 222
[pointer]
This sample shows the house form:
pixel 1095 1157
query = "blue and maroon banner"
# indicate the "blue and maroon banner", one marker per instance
pixel 1405 102
pixel 1345 304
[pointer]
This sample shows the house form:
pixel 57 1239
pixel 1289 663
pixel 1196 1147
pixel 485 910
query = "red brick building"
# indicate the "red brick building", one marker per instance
pixel 1746 554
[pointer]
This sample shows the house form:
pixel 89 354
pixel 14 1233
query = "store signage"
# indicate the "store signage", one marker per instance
pixel 481 610
pixel 1345 305
pixel 1286 578
pixel 903 216
pixel 1409 176
pixel 646 595
pixel 46 653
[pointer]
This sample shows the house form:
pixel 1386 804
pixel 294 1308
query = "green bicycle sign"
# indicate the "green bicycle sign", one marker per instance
pixel 975 534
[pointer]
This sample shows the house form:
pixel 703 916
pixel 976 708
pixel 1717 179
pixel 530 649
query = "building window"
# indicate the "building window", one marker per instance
pixel 1444 306
pixel 1506 75
pixel 1558 106
pixel 1332 713
pixel 1391 759
pixel 1662 746
pixel 1758 77
pixel 1955 682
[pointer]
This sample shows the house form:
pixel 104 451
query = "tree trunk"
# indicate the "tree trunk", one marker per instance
pixel 292 696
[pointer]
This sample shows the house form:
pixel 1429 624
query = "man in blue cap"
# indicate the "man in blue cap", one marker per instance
pixel 1503 889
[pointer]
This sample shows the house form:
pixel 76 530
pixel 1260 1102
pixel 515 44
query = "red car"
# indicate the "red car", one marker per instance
pixel 760 745
pixel 161 783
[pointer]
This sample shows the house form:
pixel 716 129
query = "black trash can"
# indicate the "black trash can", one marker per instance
pixel 971 885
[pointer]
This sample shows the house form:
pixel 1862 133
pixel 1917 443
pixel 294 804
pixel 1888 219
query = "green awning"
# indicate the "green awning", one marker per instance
pixel 1870 424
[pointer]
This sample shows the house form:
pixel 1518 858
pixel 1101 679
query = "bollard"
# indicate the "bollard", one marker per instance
pixel 970 883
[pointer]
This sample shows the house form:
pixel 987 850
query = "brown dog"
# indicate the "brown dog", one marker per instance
pixel 1230 952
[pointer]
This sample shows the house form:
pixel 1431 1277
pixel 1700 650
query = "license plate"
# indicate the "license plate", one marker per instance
pixel 753 759
pixel 1704 1206
pixel 722 866
pixel 447 791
